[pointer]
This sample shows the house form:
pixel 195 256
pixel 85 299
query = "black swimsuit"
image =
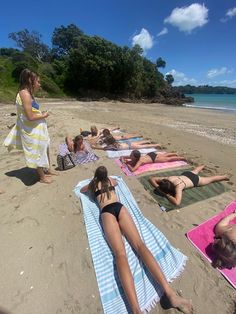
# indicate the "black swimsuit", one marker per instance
pixel 152 155
pixel 192 176
pixel 113 208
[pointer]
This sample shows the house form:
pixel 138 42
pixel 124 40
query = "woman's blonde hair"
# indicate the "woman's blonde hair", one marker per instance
pixel 27 80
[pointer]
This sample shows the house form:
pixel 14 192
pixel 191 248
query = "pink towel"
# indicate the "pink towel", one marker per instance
pixel 203 235
pixel 150 167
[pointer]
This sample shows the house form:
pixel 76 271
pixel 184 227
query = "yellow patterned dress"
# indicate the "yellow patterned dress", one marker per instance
pixel 30 136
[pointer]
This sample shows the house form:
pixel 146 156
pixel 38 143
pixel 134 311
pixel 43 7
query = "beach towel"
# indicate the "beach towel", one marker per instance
pixel 203 235
pixel 190 196
pixel 150 167
pixel 86 156
pixel 30 136
pixel 171 260
pixel 127 152
pixel 132 139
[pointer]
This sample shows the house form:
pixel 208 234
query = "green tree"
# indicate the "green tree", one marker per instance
pixel 169 78
pixel 160 63
pixel 31 43
pixel 65 38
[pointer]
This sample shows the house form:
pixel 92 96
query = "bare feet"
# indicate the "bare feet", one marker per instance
pixel 183 305
pixel 46 180
pixel 1 191
pixel 51 172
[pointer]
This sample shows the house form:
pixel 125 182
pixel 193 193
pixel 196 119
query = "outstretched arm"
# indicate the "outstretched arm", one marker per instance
pixel 222 225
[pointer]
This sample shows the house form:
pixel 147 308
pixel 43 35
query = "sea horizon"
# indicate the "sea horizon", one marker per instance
pixel 224 102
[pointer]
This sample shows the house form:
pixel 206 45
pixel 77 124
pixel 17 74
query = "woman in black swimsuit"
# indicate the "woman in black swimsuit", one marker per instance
pixel 135 160
pixel 116 221
pixel 173 186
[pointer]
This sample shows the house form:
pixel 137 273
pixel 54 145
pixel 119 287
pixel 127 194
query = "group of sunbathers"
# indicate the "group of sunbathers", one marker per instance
pixel 116 219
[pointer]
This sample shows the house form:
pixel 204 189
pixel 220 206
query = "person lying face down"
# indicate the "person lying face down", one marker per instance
pixel 172 187
pixel 117 222
pixel 224 244
pixel 110 143
pixel 135 160
pixel 125 136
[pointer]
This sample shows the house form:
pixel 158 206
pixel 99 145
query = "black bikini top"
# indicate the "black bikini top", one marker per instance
pixel 98 192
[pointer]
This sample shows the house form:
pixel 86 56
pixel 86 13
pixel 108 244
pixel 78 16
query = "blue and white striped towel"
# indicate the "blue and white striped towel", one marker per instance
pixel 171 260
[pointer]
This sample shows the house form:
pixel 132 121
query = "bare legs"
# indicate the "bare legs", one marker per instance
pixel 208 180
pixel 167 157
pixel 140 145
pixel 114 238
pixel 128 228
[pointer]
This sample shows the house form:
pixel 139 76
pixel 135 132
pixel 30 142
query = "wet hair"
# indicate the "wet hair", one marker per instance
pixel 76 139
pixel 27 80
pixel 167 187
pixel 94 130
pixel 101 175
pixel 225 249
pixel 106 132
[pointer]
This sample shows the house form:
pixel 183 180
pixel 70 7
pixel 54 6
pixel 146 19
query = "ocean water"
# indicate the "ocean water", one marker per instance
pixel 225 102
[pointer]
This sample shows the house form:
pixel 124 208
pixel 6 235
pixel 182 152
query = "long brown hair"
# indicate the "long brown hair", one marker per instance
pixel 27 80
pixel 225 249
pixel 101 175
pixel 76 139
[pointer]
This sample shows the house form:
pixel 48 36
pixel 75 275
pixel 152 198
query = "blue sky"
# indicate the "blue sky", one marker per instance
pixel 197 40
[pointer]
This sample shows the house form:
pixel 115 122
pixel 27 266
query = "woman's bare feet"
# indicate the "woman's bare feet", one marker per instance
pixel 183 305
pixel 1 191
pixel 46 180
pixel 51 172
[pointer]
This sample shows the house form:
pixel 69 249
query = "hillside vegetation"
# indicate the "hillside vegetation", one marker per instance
pixel 79 65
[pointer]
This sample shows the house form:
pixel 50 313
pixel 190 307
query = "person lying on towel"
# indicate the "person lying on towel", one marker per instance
pixel 172 187
pixel 110 143
pixel 117 221
pixel 135 160
pixel 224 244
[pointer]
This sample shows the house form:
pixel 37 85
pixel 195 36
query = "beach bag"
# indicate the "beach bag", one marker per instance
pixel 65 162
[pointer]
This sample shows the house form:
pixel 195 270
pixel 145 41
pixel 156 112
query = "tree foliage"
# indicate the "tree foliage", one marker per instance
pixel 205 89
pixel 31 43
pixel 169 78
pixel 160 63
pixel 79 65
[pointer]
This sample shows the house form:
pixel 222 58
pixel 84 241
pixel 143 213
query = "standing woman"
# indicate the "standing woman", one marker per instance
pixel 30 133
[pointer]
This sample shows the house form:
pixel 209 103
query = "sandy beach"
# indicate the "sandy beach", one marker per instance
pixel 46 265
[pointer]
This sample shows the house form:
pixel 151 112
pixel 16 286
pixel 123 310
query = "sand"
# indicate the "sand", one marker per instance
pixel 46 264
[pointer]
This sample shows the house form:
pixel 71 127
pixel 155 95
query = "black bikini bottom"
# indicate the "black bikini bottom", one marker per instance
pixel 113 208
pixel 152 155
pixel 192 176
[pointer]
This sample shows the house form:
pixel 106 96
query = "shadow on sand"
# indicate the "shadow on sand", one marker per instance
pixel 26 175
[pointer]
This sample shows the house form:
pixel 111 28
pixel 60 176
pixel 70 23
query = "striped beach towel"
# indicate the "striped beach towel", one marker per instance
pixel 127 152
pixel 171 260
pixel 30 136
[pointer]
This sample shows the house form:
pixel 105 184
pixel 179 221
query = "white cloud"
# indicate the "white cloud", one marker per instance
pixel 229 83
pixel 229 14
pixel 181 79
pixel 143 39
pixel 216 72
pixel 188 18
pixel 163 32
